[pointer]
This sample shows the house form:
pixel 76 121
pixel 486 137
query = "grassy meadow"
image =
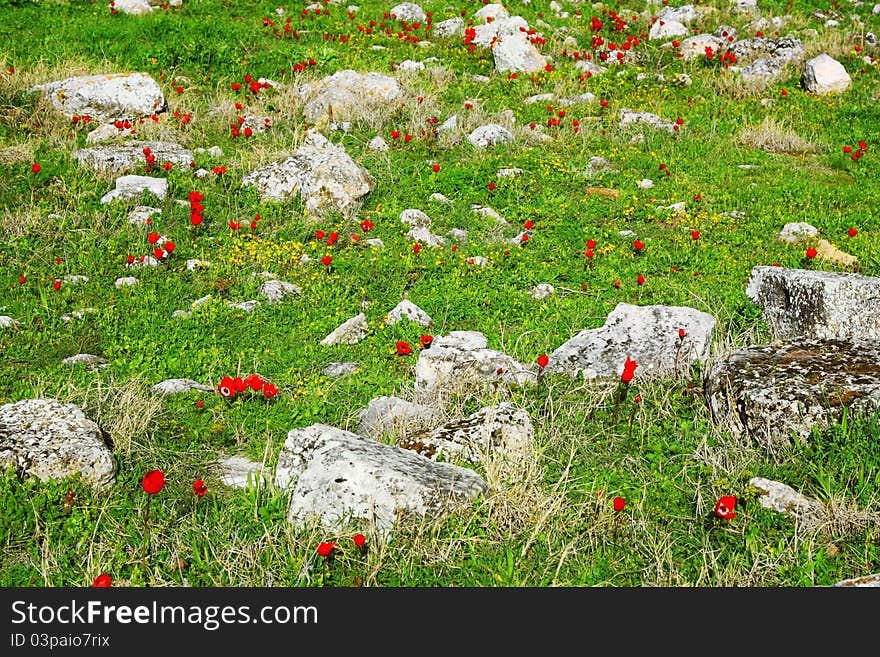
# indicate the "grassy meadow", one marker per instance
pixel 744 160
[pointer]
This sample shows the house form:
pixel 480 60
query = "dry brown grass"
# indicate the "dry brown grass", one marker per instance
pixel 773 136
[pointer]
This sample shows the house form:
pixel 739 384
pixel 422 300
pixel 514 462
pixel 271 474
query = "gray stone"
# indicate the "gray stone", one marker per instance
pixel 630 117
pixel 84 359
pixel 337 478
pixel 105 97
pixel 514 52
pixel 125 281
pixel 451 27
pixel 178 386
pixel 49 440
pixel 340 369
pixel 406 309
pixel 350 331
pixel 825 75
pixel 274 290
pixel 132 187
pixel 542 291
pixel 133 7
pixel 463 358
pixel 348 95
pixel 648 335
pixel 490 135
pixel 785 499
pixel 816 304
pixel 424 236
pixel 867 580
pixel 141 213
pixel 409 12
pixel 416 218
pixel 248 306
pixel 386 416
pixel 321 173
pixel 682 14
pixel 117 158
pixel 109 131
pixel 776 391
pixel 797 231
pixel 501 430
pixel 667 29
pixel 7 322
pixel 241 472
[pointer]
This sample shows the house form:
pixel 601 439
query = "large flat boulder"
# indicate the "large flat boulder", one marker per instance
pixel 321 173
pixel 50 440
pixel 648 335
pixel 337 478
pixel 816 304
pixel 117 158
pixel 777 391
pixel 114 96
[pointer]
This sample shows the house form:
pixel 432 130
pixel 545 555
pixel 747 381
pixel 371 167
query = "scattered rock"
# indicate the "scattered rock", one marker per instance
pixel 785 499
pixel 542 291
pixel 7 322
pixel 117 158
pixel 825 75
pixel 90 360
pixel 351 331
pixel 648 335
pixel 490 135
pixel 132 187
pixel 274 290
pixel 116 96
pixel 241 472
pixel 406 309
pixel 868 580
pixel 348 95
pixel 49 440
pixel 816 304
pixel 337 478
pixel 340 369
pixel 125 281
pixel 385 416
pixel 775 391
pixel 178 386
pixel 797 232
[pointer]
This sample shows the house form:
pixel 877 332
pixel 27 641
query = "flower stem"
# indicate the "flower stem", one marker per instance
pixel 146 535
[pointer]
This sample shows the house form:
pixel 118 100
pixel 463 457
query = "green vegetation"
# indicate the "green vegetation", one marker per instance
pixel 555 526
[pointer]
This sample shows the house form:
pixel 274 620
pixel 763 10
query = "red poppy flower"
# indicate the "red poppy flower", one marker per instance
pixel 811 253
pixel 319 234
pixel 403 348
pixel 226 388
pixel 638 245
pixel 269 390
pixel 435 168
pixel 863 145
pixel 153 481
pixel 158 253
pixel 102 581
pixel 681 333
pixel 640 279
pixel 169 246
pixel 426 341
pixel 36 167
pixel 253 381
pixel 325 548
pixel 725 506
pixel 417 248
pixel 619 503
pixel 199 488
pixel 629 370
pixel 238 384
pixel 616 283
pixel 591 244
pixel 359 540
pixel 491 186
pixel 367 225
pixel 695 235
pixel 529 224
pixel 852 232
pixel 326 260
pixel 57 285
pixel 543 359
pixel 152 238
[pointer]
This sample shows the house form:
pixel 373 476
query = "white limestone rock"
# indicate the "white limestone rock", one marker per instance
pixel 115 96
pixel 336 478
pixel 785 499
pixel 648 335
pixel 385 416
pixel 407 310
pixel 825 75
pixel 490 135
pixel 350 331
pixel 49 440
pixel 179 386
pixel 348 95
pixel 275 291
pixel 242 472
pixel 797 232
pixel 132 187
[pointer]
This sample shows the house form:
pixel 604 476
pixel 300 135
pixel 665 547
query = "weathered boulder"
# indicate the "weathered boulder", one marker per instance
pixel 275 291
pixel 490 135
pixel 816 304
pixel 463 358
pixel 384 416
pixel 825 75
pixel 351 331
pixel 451 27
pixel 785 499
pixel 178 386
pixel 648 335
pixel 49 440
pixel 493 430
pixel 106 97
pixel 872 581
pixel 777 391
pixel 348 95
pixel 514 52
pixel 132 187
pixel 241 472
pixel 407 310
pixel 133 7
pixel 409 12
pixel 630 117
pixel 322 173
pixel 336 478
pixel 117 158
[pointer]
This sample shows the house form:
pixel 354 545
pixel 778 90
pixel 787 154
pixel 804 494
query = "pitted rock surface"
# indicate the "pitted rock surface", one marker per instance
pixel 321 173
pixel 106 97
pixel 348 95
pixel 337 478
pixel 775 391
pixel 463 358
pixel 117 158
pixel 384 416
pixel 816 304
pixel 49 440
pixel 502 429
pixel 646 334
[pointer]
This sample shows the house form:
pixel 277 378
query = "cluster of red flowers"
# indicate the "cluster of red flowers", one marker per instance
pixel 404 348
pixel 195 208
pixel 858 153
pixel 325 548
pixel 230 386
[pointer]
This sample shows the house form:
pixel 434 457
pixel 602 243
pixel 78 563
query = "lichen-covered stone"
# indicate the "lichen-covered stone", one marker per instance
pixel 351 331
pixel 132 187
pixel 776 391
pixel 785 499
pixel 490 135
pixel 321 173
pixel 49 440
pixel 117 158
pixel 388 415
pixel 178 386
pixel 816 304
pixel 106 97
pixel 337 478
pixel 648 335
pixel 348 95
pixel 407 310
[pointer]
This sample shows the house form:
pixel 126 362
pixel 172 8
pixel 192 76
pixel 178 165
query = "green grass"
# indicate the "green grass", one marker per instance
pixel 553 526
